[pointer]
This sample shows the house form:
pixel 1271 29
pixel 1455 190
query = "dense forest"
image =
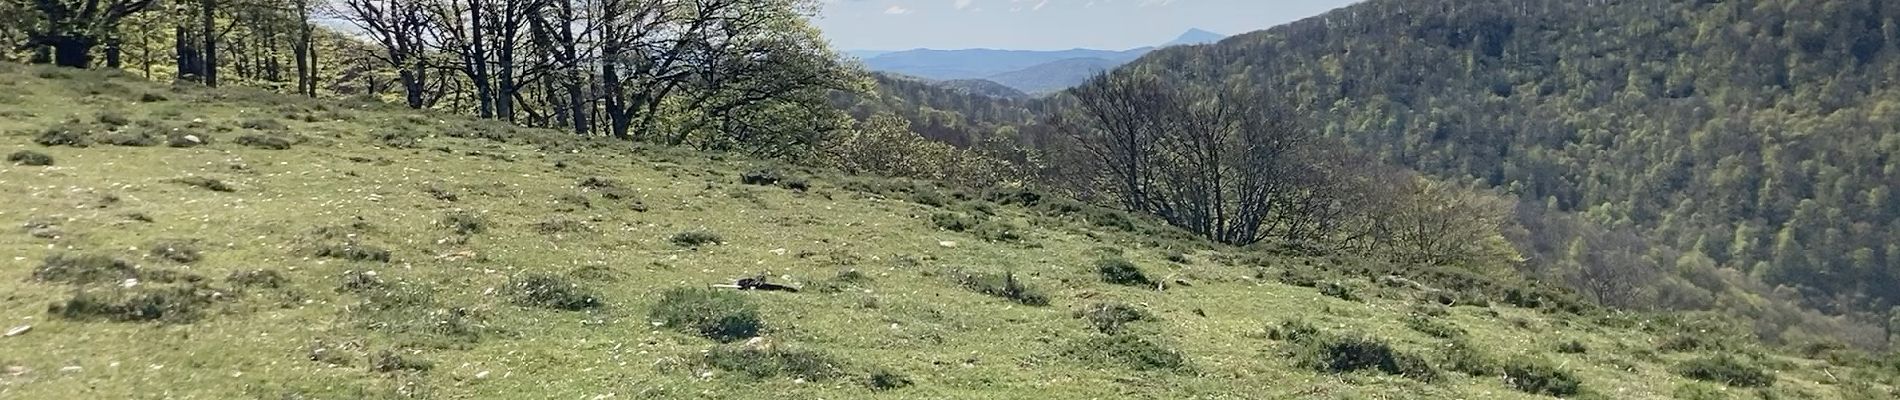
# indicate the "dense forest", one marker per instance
pixel 1729 155
pixel 1748 136
pixel 1691 155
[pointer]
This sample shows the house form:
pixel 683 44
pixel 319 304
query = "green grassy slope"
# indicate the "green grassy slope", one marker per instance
pixel 442 316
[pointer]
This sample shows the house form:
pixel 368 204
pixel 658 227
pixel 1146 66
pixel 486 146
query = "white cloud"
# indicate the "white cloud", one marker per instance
pixel 963 4
pixel 897 10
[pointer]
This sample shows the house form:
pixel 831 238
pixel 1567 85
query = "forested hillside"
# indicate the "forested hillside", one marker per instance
pixel 1757 136
pixel 1685 155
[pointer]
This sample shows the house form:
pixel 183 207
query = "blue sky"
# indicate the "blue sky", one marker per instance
pixel 1047 24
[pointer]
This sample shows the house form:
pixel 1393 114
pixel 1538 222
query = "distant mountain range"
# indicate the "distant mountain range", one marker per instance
pixel 1033 72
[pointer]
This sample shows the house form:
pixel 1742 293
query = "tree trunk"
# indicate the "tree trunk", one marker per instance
pixel 72 51
pixel 412 86
pixel 114 54
pixel 207 15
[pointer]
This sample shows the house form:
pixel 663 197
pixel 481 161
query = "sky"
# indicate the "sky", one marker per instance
pixel 1047 24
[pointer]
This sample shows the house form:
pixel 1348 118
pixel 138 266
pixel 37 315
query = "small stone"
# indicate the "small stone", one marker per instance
pixel 481 375
pixel 194 139
pixel 778 252
pixel 948 244
pixel 71 369
pixel 19 330
pixel 16 370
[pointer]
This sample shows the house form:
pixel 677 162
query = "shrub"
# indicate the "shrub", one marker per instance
pixel 30 158
pixel 559 225
pixel 360 282
pixel 205 183
pixel 1462 357
pixel 1293 331
pixel 386 361
pixel 1433 327
pixel 464 223
pixel 551 292
pixel 953 222
pixel 263 124
pixel 1121 272
pixel 1178 257
pixel 145 303
pixel 68 133
pixel 999 231
pixel 1111 318
pixel 186 140
pixel 770 362
pixel 401 139
pixel 598 183
pixel 257 278
pixel 1005 286
pixel 354 252
pixel 113 118
pixel 882 379
pixel 1572 347
pixel 129 139
pixel 696 238
pixel 1333 353
pixel 83 268
pixel 718 315
pixel 1128 350
pixel 1727 370
pixel 267 142
pixel 760 177
pixel 1540 377
pixel 181 251
pixel 1338 290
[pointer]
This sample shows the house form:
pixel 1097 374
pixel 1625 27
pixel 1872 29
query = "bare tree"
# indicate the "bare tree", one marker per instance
pixel 400 27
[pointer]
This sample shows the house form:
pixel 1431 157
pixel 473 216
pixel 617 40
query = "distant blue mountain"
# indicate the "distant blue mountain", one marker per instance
pixel 1030 71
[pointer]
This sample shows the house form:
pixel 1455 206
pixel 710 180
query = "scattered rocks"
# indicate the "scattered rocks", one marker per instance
pixel 19 330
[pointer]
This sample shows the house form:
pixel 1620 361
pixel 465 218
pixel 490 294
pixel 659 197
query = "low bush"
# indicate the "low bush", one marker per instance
pixel 70 133
pixel 1433 327
pixel 953 222
pixel 464 223
pixel 354 252
pixel 1112 318
pixel 775 361
pixel 176 304
pixel 1461 356
pixel 1727 370
pixel 881 380
pixel 257 278
pixel 83 268
pixel 718 315
pixel 1005 286
pixel 267 142
pixel 30 158
pixel 696 238
pixel 387 361
pixel 1121 272
pixel 1128 350
pixel 551 292
pixel 129 139
pixel 1339 290
pixel 999 232
pixel 180 251
pixel 1572 347
pixel 205 183
pixel 1333 353
pixel 1540 377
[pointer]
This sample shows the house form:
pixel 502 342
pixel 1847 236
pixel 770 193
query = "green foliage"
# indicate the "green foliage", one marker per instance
pixel 1461 356
pixel 718 315
pixel 464 223
pixel 257 278
pixel 1540 377
pixel 1572 347
pixel 1003 285
pixel 1129 350
pixel 776 361
pixel 551 292
pixel 696 238
pixel 952 221
pixel 1433 327
pixel 1121 272
pixel 882 380
pixel 30 158
pixel 1339 290
pixel 265 141
pixel 1111 318
pixel 1727 370
pixel 180 251
pixel 1332 353
pixel 170 304
pixel 210 184
pixel 387 361
pixel 81 268
pixel 70 133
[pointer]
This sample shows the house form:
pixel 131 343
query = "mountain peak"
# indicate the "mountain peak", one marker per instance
pixel 1196 36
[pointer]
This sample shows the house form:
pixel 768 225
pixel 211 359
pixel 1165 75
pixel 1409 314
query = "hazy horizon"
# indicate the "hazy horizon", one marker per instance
pixel 1047 24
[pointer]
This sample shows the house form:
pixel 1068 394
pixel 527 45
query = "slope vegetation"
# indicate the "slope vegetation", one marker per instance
pixel 188 243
